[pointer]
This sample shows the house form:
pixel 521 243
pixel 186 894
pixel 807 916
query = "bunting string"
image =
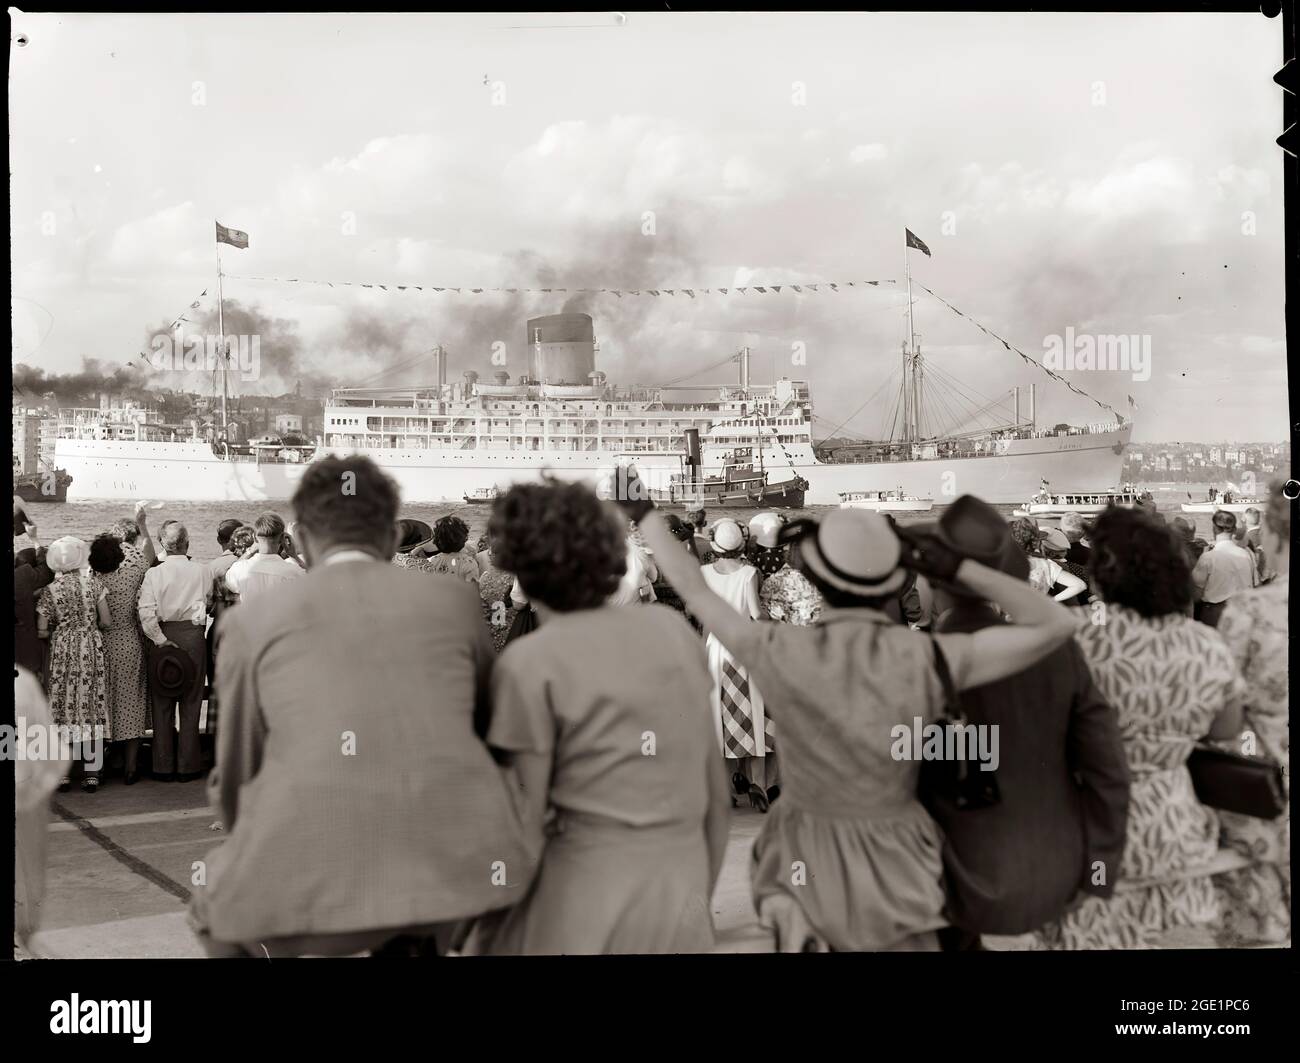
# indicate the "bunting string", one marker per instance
pixel 819 288
pixel 179 320
pixel 1016 350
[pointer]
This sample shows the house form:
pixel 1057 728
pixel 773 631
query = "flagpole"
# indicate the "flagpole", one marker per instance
pixel 908 378
pixel 221 345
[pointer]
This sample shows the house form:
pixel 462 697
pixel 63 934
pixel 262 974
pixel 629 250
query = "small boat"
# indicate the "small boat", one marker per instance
pixel 885 501
pixel 1088 503
pixel 1237 505
pixel 49 486
pixel 481 496
pixel 738 485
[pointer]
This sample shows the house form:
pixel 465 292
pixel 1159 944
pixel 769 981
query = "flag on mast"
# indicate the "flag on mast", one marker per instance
pixel 915 241
pixel 235 238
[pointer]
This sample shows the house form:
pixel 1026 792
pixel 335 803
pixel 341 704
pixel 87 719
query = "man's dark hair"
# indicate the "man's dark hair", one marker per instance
pixel 1138 561
pixel 450 534
pixel 269 526
pixel 1224 521
pixel 347 502
pixel 566 548
pixel 105 554
pixel 225 530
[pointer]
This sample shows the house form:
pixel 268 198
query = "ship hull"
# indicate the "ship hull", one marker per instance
pixel 111 469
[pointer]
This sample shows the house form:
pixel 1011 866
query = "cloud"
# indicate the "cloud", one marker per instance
pixel 868 153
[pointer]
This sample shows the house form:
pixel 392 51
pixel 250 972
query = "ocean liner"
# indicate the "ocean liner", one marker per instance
pixel 448 441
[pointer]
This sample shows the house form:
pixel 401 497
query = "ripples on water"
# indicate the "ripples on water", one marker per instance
pixel 87 519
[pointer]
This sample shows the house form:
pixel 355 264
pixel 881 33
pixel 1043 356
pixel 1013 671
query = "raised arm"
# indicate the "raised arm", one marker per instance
pixel 1071 586
pixel 144 538
pixel 733 629
pixel 1038 626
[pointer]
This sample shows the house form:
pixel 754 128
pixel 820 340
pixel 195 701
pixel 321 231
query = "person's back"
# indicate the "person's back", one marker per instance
pixel 731 581
pixel 1012 867
pixel 359 688
pixel 606 683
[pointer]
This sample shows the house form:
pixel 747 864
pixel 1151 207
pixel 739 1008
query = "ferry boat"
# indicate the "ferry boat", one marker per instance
pixel 1237 505
pixel 1087 503
pixel 885 501
pixel 561 417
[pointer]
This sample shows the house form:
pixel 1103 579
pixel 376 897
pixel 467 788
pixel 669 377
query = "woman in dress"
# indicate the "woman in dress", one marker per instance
pixel 494 587
pixel 1044 573
pixel 787 595
pixel 453 556
pixel 413 540
pixel 1256 900
pixel 849 859
pixel 1173 682
pixel 121 567
pixel 71 613
pixel 738 718
pixel 602 713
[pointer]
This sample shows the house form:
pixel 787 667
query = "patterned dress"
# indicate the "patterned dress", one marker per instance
pixel 739 719
pixel 1256 900
pixel 494 588
pixel 1168 678
pixel 788 596
pixel 128 689
pixel 76 673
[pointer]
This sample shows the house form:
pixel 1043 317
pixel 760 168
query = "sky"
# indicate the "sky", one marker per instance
pixel 1109 174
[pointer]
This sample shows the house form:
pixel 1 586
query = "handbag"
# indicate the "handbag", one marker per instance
pixel 963 784
pixel 525 621
pixel 1234 782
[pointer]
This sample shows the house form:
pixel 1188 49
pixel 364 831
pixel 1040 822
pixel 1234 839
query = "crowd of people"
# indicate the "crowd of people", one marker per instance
pixel 537 749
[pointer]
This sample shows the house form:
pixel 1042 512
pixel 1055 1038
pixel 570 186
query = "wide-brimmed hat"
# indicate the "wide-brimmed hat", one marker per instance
pixel 68 554
pixel 855 551
pixel 1054 539
pixel 172 671
pixel 974 529
pixel 412 533
pixel 727 535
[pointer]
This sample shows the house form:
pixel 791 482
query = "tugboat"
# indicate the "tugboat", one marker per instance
pixel 482 496
pixel 49 486
pixel 885 501
pixel 738 486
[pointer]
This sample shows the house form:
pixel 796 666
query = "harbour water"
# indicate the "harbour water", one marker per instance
pixel 87 519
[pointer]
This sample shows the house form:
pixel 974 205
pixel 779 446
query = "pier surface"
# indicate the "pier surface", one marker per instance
pixel 120 863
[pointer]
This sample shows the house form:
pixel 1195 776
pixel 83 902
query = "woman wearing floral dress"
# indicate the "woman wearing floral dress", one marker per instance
pixel 494 586
pixel 1256 900
pixel 1173 682
pixel 70 613
pixel 121 565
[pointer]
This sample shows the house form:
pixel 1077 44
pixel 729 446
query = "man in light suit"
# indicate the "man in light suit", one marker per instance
pixel 361 805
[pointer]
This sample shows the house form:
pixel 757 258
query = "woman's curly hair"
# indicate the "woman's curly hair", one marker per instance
pixel 241 539
pixel 564 545
pixel 1137 561
pixel 450 534
pixel 106 553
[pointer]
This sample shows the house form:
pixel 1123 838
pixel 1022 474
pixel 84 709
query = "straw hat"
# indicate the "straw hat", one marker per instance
pixel 855 551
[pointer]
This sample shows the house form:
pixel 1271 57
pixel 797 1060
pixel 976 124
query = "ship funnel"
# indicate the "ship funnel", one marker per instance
pixel 693 447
